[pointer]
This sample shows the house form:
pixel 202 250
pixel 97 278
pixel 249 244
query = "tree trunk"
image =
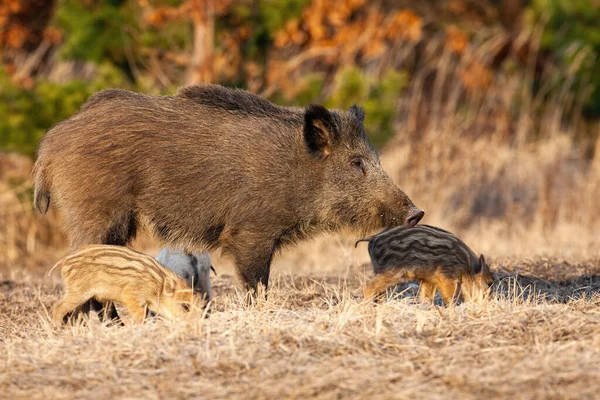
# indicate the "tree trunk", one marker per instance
pixel 509 12
pixel 201 61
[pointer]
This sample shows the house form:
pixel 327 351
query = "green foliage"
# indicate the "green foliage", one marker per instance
pixel 175 37
pixel 93 30
pixel 378 96
pixel 103 32
pixel 572 35
pixel 309 90
pixel 25 114
pixel 274 14
pixel 265 18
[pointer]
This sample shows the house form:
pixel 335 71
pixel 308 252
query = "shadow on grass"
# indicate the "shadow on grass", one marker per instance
pixel 551 290
pixel 524 287
pixel 549 280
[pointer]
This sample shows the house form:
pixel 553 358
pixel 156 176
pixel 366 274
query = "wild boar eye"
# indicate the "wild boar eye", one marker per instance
pixel 358 163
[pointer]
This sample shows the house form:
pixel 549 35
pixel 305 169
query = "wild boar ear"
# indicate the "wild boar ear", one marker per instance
pixel 358 113
pixel 320 130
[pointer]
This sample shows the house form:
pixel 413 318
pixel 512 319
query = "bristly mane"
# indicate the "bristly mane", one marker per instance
pixel 237 100
pixel 108 95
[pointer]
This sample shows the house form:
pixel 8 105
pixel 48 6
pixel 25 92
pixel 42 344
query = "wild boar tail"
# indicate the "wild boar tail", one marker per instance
pixel 41 194
pixel 367 239
pixel 55 265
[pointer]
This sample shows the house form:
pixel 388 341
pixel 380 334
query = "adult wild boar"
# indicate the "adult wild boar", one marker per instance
pixel 212 167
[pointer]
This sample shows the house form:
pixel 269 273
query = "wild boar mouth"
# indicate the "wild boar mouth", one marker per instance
pixel 390 219
pixel 387 218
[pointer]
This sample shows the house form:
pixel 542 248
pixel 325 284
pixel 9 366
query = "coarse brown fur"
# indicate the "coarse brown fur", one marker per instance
pixel 433 256
pixel 117 274
pixel 212 167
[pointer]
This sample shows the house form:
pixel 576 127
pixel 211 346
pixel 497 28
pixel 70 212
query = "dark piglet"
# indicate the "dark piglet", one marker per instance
pixel 433 256
pixel 212 167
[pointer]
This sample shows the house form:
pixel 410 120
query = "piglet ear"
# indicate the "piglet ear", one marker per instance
pixel 169 287
pixel 320 130
pixel 484 266
pixel 358 113
pixel 475 268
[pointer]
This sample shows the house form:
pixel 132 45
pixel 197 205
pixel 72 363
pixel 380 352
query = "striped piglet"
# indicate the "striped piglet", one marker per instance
pixel 104 274
pixel 428 254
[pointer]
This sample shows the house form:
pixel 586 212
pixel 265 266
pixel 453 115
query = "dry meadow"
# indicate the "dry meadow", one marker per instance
pixel 316 337
pixel 539 337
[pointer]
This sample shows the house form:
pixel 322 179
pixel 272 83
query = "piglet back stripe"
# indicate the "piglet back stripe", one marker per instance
pixel 118 257
pixel 420 245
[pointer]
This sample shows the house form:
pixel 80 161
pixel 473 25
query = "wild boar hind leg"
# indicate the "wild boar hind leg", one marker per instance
pixel 68 307
pixel 382 281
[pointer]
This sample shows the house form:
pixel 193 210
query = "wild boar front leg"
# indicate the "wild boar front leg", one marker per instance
pixel 107 312
pixel 136 308
pixel 252 260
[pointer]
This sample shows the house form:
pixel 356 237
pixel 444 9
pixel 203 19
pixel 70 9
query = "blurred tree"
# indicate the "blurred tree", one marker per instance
pixel 377 95
pixel 201 62
pixel 22 22
pixel 509 12
pixel 26 113
pixel 292 51
pixel 572 35
pixel 94 30
pixel 25 40
pixel 202 14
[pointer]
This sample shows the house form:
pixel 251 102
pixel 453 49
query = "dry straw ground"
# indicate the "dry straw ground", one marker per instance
pixel 315 337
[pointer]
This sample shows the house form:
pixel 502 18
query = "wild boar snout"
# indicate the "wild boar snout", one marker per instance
pixel 414 217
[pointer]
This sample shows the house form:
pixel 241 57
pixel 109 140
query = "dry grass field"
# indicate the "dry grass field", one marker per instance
pixel 315 337
pixel 539 337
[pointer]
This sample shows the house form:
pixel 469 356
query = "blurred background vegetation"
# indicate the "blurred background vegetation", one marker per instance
pixel 486 112
pixel 405 62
